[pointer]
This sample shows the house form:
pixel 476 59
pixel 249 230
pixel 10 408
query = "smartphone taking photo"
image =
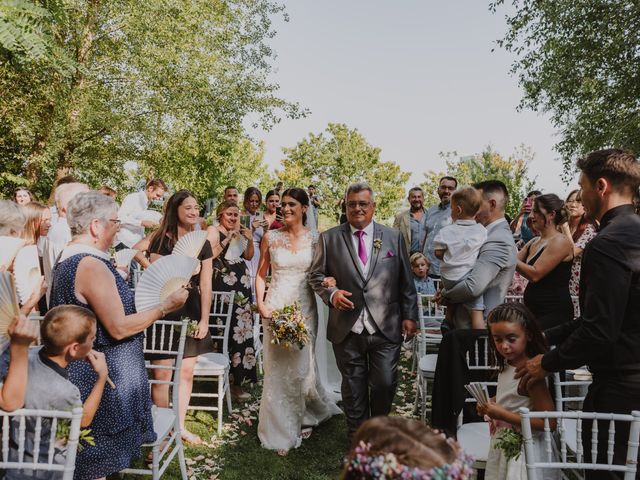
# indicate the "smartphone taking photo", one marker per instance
pixel 245 221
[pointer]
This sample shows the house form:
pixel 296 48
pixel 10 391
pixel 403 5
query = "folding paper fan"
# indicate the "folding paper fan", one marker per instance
pixel 162 278
pixel 123 257
pixel 26 270
pixel 151 215
pixel 9 307
pixel 9 247
pixel 190 244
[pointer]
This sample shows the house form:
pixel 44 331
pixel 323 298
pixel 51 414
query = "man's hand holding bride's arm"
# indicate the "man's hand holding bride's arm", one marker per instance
pixel 261 277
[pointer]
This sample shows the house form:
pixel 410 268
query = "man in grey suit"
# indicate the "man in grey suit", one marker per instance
pixel 374 304
pixel 493 271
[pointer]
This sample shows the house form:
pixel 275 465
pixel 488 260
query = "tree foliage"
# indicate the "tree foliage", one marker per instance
pixel 337 157
pixel 488 165
pixel 579 61
pixel 167 85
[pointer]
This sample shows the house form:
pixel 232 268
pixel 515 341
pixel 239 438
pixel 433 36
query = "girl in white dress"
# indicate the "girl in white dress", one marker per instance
pixel 292 395
pixel 515 337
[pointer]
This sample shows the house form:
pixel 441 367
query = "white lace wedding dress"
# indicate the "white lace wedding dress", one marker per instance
pixel 292 395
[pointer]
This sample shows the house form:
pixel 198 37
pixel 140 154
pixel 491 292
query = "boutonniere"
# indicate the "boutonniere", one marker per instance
pixel 377 243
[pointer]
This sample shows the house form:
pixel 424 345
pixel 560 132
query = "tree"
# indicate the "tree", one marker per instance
pixel 337 157
pixel 157 84
pixel 488 165
pixel 579 62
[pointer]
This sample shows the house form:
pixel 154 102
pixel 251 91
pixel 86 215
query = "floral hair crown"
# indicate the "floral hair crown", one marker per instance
pixel 387 466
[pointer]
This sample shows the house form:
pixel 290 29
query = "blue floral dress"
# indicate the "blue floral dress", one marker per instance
pixel 123 421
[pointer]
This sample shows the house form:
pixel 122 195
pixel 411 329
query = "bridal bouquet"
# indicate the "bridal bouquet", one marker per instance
pixel 288 328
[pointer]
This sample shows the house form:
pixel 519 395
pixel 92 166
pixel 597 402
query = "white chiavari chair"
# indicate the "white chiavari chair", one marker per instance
pixel 26 453
pixel 566 461
pixel 214 367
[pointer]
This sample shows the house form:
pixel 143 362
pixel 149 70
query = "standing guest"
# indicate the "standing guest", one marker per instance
pixel 52 199
pixel 521 225
pixel 258 224
pixel 279 187
pixel 606 337
pixel 22 196
pixel 580 231
pixel 108 191
pixel 132 214
pixel 272 204
pixel 420 268
pixel 86 277
pixel 36 228
pixel 546 263
pixel 412 223
pixel 181 217
pixel 314 205
pixel 438 216
pixel 231 194
pixel 230 273
pixel 493 271
pixel 342 204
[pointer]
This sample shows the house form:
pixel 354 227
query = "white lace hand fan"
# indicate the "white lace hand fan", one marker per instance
pixel 9 247
pixel 162 278
pixel 9 307
pixel 190 244
pixel 26 270
pixel 123 257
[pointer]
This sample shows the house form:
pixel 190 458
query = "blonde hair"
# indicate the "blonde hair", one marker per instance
pixel 469 199
pixel 64 325
pixel 33 215
pixel 413 259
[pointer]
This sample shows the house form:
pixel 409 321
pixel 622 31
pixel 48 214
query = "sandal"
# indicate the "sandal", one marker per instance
pixel 283 452
pixel 306 432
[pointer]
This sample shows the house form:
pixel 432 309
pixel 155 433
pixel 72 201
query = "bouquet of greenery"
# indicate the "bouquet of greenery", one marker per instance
pixel 63 431
pixel 509 440
pixel 288 328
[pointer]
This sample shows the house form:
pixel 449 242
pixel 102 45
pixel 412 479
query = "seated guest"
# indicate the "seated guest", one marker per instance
pixel 22 196
pixel 546 262
pixel 420 268
pixel 398 448
pixel 67 334
pixel 86 277
pixel 22 332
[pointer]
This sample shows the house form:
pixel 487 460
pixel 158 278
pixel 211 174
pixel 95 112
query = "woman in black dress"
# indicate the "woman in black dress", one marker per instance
pixel 181 217
pixel 230 273
pixel 546 262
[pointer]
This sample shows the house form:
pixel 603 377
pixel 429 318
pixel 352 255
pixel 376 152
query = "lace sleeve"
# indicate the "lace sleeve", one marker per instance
pixel 315 236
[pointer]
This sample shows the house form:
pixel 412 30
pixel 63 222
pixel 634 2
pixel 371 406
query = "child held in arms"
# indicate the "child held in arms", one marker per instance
pixel 457 246
pixel 67 334
pixel 420 268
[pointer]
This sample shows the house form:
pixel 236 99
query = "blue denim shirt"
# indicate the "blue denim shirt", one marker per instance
pixel 438 216
pixel 424 286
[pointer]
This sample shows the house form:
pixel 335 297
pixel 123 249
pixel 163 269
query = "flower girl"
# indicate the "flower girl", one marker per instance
pixel 515 337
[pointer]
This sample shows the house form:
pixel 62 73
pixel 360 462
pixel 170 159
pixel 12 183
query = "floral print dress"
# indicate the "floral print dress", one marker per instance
pixel 233 275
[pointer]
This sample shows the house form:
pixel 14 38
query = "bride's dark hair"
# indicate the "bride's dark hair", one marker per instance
pixel 301 196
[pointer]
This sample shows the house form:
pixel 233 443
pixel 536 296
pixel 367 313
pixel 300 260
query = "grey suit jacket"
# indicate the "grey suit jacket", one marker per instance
pixel 388 291
pixel 491 275
pixel 402 222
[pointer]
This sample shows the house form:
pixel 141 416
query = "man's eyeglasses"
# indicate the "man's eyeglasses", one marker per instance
pixel 362 205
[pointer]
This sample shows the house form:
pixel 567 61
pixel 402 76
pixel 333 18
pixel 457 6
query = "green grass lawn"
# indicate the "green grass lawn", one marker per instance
pixel 237 454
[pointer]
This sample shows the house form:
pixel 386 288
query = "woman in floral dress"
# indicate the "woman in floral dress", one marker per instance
pixel 232 244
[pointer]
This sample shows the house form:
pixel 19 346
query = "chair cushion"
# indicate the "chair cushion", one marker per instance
pixel 474 438
pixel 428 363
pixel 163 421
pixel 211 364
pixel 570 434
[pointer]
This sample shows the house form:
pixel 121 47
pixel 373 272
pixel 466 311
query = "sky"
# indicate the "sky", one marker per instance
pixel 415 77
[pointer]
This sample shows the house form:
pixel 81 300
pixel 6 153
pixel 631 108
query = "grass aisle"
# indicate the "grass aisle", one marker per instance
pixel 237 455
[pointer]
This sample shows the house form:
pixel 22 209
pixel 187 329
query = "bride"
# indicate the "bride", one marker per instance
pixel 293 399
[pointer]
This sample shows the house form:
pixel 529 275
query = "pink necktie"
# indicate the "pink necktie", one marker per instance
pixel 362 250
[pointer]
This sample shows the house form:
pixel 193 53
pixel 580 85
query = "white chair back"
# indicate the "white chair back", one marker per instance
pixel 569 394
pixel 220 318
pixel 576 420
pixel 45 424
pixel 430 316
pixel 480 357
pixel 513 299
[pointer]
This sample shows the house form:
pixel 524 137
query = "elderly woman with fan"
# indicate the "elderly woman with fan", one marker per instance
pixel 177 234
pixel 232 244
pixel 85 276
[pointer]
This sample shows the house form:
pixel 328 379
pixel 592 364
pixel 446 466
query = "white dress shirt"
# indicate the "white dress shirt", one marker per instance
pixel 131 214
pixel 461 242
